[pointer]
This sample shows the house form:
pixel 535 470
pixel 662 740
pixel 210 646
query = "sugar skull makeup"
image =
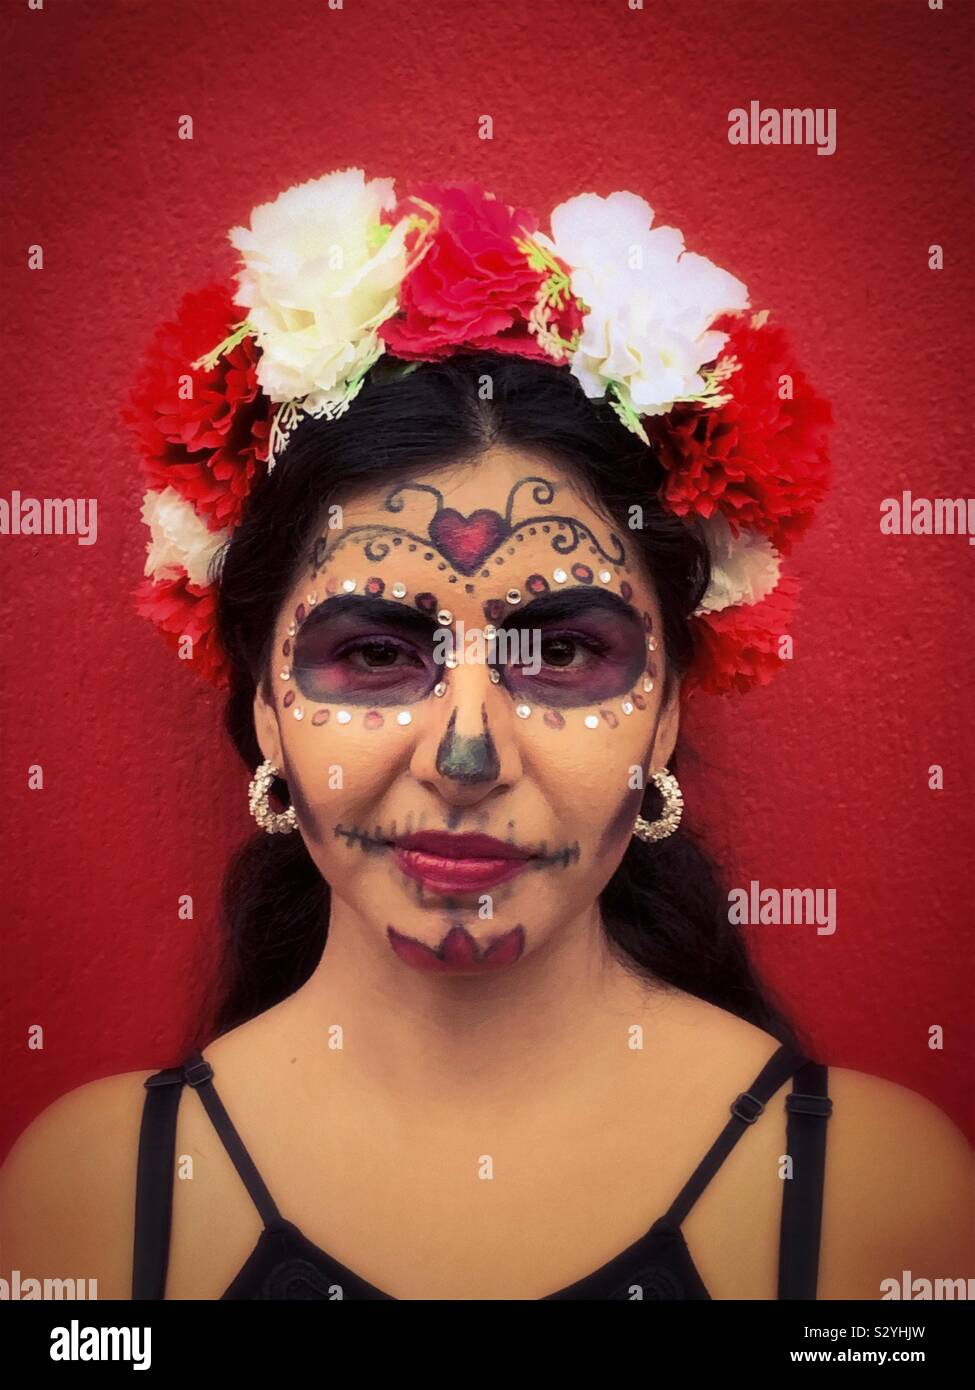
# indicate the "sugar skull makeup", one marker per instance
pixel 362 650
pixel 449 745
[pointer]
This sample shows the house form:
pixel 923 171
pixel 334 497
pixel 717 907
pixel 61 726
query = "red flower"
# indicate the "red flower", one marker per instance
pixel 204 432
pixel 761 460
pixel 473 288
pixel 738 647
pixel 181 609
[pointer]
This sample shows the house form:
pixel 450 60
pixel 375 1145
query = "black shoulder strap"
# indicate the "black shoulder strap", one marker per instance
pixel 156 1169
pixel 745 1110
pixel 154 1183
pixel 809 1107
pixel 199 1074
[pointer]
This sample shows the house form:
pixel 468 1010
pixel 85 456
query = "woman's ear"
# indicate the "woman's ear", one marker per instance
pixel 267 728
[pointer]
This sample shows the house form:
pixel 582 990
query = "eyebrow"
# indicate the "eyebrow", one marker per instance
pixel 550 607
pixel 369 608
pixel 571 602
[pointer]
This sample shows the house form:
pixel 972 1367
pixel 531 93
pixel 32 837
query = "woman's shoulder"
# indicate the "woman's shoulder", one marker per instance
pixel 899 1190
pixel 67 1187
pixel 899 1187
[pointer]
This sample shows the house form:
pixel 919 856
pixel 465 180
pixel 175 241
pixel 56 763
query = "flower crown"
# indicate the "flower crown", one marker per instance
pixel 339 272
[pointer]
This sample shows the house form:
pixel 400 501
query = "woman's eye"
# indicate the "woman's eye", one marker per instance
pixel 576 668
pixel 559 651
pixel 368 668
pixel 374 655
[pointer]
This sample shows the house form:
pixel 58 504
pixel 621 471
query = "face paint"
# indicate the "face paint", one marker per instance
pixel 467 541
pixel 458 951
pixel 591 645
pixel 364 651
pixel 620 826
pixel 469 760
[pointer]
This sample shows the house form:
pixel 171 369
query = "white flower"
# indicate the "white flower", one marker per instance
pixel 651 303
pixel 744 568
pixel 317 283
pixel 180 540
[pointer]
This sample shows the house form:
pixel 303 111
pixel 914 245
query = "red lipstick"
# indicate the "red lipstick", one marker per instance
pixel 458 952
pixel 445 863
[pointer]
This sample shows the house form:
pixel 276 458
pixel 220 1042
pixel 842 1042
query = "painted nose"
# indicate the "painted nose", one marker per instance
pixel 470 753
pixel 469 759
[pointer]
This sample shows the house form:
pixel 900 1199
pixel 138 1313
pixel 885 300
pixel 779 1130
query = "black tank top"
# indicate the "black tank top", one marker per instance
pixel 284 1264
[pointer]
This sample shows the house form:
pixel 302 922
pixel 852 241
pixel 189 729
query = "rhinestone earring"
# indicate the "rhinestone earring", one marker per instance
pixel 673 808
pixel 274 822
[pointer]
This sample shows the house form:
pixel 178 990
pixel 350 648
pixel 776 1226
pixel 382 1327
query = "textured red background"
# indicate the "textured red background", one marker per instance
pixel 818 781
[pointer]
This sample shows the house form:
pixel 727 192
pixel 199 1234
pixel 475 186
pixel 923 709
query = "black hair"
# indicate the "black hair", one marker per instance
pixel 664 910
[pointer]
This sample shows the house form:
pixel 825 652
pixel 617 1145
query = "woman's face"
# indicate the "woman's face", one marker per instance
pixel 396 713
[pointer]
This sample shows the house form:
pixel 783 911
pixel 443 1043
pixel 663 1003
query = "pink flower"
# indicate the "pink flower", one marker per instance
pixel 473 288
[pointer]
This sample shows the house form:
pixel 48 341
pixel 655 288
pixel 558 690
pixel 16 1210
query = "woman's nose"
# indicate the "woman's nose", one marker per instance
pixel 470 747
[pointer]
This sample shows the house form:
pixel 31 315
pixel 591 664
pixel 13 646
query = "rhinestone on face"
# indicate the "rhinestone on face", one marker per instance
pixel 490 633
pixel 404 717
pixel 651 644
pixel 399 589
pixel 648 684
pixel 285 674
pixel 440 688
pixel 605 576
pixel 496 676
pixel 292 629
pixel 626 707
pixel 450 662
pixel 298 712
pixel 311 600
pixel 348 585
pixel 591 721
pixel 343 716
pixel 445 617
pixel 523 711
pixel 513 596
pixel 559 576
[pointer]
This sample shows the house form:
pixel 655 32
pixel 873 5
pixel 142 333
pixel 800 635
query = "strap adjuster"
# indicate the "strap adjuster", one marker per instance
pixel 809 1105
pixel 198 1074
pixel 169 1077
pixel 748 1117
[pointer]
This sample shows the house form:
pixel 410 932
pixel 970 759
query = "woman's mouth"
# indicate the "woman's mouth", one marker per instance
pixel 445 863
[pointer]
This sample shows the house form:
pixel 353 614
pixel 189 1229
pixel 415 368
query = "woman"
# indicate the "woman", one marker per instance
pixel 484 1029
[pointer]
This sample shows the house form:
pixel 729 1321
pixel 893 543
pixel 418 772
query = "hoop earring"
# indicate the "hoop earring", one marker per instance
pixel 274 822
pixel 673 808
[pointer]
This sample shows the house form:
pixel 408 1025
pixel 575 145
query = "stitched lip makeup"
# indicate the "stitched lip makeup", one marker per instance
pixel 445 863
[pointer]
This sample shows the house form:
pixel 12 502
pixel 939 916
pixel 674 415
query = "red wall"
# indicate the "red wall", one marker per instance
pixel 818 781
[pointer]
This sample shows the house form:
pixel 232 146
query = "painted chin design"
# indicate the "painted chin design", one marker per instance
pixel 458 952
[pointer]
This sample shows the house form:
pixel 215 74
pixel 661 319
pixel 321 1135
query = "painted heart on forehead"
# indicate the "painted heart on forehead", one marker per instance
pixel 467 541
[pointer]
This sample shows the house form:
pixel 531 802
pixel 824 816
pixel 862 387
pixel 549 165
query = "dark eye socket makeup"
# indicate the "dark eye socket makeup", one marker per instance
pixel 361 649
